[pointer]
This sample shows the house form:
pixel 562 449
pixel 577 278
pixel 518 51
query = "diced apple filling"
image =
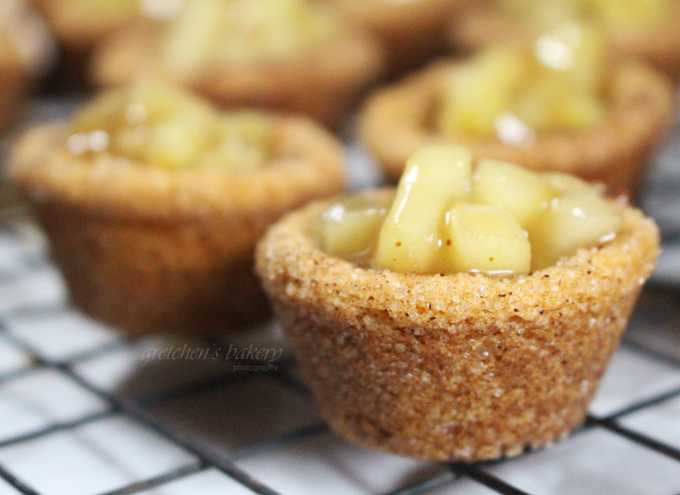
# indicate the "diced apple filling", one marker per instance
pixel 632 14
pixel 410 233
pixel 350 229
pixel 558 85
pixel 102 12
pixel 501 219
pixel 521 192
pixel 564 182
pixel 238 31
pixel 610 14
pixel 575 219
pixel 484 238
pixel 155 124
pixel 482 91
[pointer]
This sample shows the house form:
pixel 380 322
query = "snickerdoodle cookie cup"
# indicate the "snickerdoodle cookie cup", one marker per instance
pixel 457 367
pixel 305 60
pixel 153 250
pixel 400 119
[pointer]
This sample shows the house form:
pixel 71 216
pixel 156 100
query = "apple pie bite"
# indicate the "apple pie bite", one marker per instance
pixel 465 316
pixel 642 29
pixel 153 202
pixel 553 105
pixel 290 55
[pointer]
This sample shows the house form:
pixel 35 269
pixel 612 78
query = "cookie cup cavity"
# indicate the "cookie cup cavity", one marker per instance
pixel 150 250
pixel 399 120
pixel 453 367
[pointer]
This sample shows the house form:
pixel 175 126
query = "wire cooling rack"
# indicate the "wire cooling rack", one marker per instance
pixel 85 411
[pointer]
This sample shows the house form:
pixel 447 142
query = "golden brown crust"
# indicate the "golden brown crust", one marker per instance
pixel 458 367
pixel 158 275
pixel 397 121
pixel 324 82
pixel 412 31
pixel 306 163
pixel 150 250
pixel 485 25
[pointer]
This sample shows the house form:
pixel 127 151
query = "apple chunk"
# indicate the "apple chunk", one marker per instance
pixel 410 235
pixel 350 229
pixel 481 91
pixel 575 220
pixel 640 14
pixel 179 142
pixel 521 192
pixel 191 35
pixel 570 183
pixel 486 239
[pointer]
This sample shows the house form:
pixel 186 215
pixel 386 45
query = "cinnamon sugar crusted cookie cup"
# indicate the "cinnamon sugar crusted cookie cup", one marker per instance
pixel 287 55
pixel 149 243
pixel 637 102
pixel 461 367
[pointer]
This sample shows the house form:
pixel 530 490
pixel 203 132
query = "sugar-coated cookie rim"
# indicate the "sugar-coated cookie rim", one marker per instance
pixel 289 252
pixel 632 125
pixel 306 162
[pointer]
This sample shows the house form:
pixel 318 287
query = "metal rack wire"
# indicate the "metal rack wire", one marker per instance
pixel 439 479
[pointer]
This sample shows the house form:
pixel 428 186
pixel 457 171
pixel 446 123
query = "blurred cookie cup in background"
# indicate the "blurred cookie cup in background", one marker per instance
pixel 556 104
pixel 153 201
pixel 289 55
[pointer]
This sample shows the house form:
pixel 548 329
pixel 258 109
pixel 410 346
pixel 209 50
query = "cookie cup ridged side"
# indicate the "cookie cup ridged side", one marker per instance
pixel 453 367
pixel 324 82
pixel 150 250
pixel 399 120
